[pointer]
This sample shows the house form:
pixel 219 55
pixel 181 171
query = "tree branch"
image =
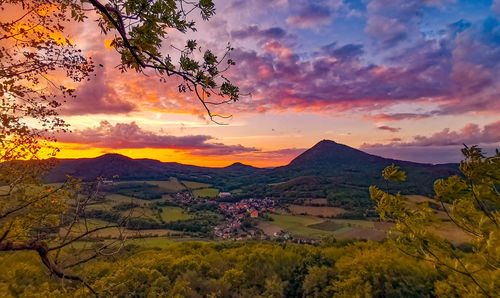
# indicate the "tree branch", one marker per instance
pixel 42 250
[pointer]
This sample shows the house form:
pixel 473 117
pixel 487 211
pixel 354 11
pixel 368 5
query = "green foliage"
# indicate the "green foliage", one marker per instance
pixel 472 203
pixel 378 272
pixel 392 173
pixel 230 269
pixel 143 191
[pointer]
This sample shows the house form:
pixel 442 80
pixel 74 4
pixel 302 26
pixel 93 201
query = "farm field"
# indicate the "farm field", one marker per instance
pixel 161 242
pixel 206 193
pixel 318 202
pixel 170 214
pixel 414 200
pixel 121 199
pixel 315 227
pixel 299 225
pixel 172 185
pixel 195 185
pixel 315 211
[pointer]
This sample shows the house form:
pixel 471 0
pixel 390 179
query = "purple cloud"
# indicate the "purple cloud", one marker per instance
pixel 256 32
pixel 345 52
pixel 471 134
pixel 383 117
pixel 97 96
pixel 130 135
pixel 311 16
pixel 447 73
pixel 245 4
pixel 430 154
pixel 389 128
pixel 388 31
pixel 440 147
pixel 495 7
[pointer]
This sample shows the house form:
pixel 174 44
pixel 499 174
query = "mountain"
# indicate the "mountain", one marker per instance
pixel 126 168
pixel 341 164
pixel 354 168
pixel 328 153
pixel 239 166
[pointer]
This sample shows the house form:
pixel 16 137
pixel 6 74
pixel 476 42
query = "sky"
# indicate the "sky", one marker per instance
pixel 404 79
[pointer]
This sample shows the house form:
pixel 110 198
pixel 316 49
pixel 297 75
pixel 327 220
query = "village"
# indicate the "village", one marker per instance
pixel 234 212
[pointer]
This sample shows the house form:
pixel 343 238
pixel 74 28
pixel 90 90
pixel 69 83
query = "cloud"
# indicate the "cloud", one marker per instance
pixel 256 32
pixel 393 22
pixel 388 31
pixel 97 96
pixel 345 52
pixel 327 83
pixel 495 7
pixel 130 135
pixel 446 73
pixel 311 16
pixel 470 134
pixel 440 147
pixel 430 154
pixel 389 128
pixel 245 4
pixel 383 117
pixel 394 139
pixel 276 157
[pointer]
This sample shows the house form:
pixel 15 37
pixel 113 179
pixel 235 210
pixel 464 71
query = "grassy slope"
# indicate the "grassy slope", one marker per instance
pixel 170 214
pixel 206 193
pixel 195 185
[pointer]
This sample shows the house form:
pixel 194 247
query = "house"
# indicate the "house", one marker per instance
pixel 224 195
pixel 107 181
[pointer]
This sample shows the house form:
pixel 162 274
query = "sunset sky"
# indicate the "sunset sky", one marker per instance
pixel 404 79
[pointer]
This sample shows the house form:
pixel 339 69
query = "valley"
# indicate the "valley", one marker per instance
pixel 306 201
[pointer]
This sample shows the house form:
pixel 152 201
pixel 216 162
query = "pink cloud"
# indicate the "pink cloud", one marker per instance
pixel 97 96
pixel 130 135
pixel 470 134
pixel 389 128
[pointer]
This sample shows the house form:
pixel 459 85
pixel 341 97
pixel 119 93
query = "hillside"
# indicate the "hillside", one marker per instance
pixel 126 168
pixel 357 168
pixel 346 168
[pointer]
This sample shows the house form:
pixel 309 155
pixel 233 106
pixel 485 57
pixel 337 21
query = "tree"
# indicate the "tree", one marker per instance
pixel 472 203
pixel 34 49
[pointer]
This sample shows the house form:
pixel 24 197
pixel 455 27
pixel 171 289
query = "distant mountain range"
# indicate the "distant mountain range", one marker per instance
pixel 343 164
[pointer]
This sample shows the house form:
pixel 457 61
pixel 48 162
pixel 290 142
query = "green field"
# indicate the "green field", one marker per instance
pixel 206 193
pixel 119 199
pixel 174 214
pixel 315 227
pixel 172 185
pixel 195 185
pixel 299 225
pixel 160 242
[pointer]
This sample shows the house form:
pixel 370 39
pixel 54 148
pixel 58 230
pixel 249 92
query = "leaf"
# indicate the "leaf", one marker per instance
pixel 392 173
